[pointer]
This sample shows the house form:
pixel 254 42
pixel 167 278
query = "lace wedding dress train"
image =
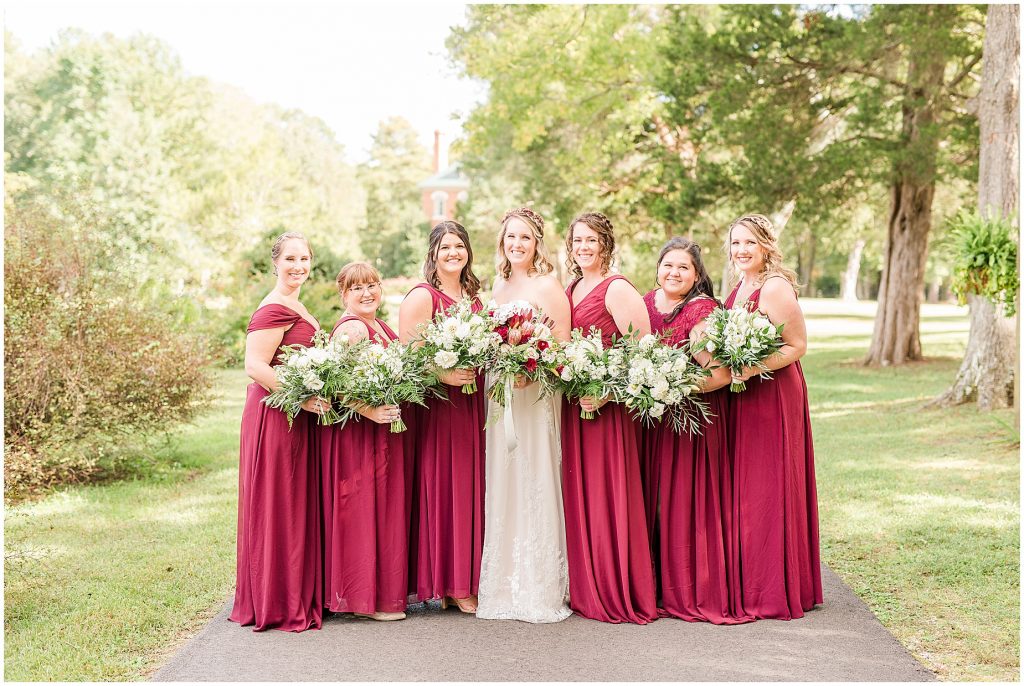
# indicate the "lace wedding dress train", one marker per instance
pixel 523 572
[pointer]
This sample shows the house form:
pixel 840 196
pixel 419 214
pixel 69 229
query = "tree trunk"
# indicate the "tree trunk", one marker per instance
pixel 989 372
pixel 897 336
pixel 848 284
pixel 806 266
pixel 934 288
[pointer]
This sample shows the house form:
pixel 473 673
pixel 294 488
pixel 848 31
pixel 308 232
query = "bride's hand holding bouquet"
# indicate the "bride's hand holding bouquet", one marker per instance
pixel 526 352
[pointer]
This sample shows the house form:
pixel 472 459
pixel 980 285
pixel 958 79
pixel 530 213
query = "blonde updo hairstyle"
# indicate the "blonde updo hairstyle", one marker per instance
pixel 278 246
pixel 764 234
pixel 541 257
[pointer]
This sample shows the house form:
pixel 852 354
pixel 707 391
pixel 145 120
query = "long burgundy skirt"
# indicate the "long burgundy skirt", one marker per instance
pixel 278 582
pixel 776 497
pixel 365 524
pixel 611 578
pixel 690 486
pixel 450 494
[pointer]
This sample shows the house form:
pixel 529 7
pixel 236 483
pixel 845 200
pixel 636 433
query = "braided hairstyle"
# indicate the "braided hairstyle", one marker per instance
pixel 541 258
pixel 764 234
pixel 600 225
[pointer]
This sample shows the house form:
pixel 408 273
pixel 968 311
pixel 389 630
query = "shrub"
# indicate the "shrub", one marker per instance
pixel 985 258
pixel 91 366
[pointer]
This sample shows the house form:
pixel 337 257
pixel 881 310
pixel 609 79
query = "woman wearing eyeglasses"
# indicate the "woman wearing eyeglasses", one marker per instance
pixel 363 469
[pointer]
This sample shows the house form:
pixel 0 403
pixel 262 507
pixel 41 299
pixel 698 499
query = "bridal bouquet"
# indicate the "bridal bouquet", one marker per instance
pixel 305 372
pixel 740 338
pixel 385 375
pixel 526 348
pixel 662 380
pixel 460 339
pixel 586 368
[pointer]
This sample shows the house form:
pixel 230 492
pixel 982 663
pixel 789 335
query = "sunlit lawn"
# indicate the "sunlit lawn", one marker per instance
pixel 919 514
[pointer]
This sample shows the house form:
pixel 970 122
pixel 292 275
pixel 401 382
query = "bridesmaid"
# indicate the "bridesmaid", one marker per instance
pixel 363 469
pixel 770 435
pixel 449 488
pixel 277 582
pixel 610 574
pixel 689 484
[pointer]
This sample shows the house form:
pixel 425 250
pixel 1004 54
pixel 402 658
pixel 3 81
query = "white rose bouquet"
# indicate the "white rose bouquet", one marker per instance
pixel 305 372
pixel 662 380
pixel 586 368
pixel 740 338
pixel 526 348
pixel 460 339
pixel 385 375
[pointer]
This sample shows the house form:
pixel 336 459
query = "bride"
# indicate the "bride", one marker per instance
pixel 523 573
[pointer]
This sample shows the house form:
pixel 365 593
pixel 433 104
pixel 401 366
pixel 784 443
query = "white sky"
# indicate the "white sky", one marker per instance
pixel 351 64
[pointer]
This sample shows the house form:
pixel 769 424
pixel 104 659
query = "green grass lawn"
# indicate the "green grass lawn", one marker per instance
pixel 919 514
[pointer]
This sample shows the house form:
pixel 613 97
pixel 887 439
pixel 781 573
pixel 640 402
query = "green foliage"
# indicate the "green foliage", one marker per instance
pixel 91 366
pixel 569 99
pixel 184 176
pixel 395 233
pixel 985 259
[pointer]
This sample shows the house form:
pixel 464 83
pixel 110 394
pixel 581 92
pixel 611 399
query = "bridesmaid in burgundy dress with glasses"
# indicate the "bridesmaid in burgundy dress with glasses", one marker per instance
pixel 610 574
pixel 448 497
pixel 278 583
pixel 688 481
pixel 365 525
pixel 770 435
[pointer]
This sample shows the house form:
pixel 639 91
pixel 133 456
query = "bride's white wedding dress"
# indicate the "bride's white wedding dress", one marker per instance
pixel 523 572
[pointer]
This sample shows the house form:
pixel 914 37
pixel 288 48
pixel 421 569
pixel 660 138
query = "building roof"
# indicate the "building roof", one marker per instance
pixel 451 177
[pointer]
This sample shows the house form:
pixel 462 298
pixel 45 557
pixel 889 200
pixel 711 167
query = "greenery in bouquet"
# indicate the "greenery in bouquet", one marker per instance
pixel 304 372
pixel 527 349
pixel 740 338
pixel 586 368
pixel 386 375
pixel 460 339
pixel 662 381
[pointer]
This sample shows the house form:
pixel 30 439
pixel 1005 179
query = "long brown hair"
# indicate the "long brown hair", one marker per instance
pixel 702 285
pixel 600 225
pixel 467 279
pixel 541 259
pixel 764 234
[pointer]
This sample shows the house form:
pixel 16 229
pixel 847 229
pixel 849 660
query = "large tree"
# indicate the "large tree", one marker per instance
pixel 395 230
pixel 938 48
pixel 570 94
pixel 989 368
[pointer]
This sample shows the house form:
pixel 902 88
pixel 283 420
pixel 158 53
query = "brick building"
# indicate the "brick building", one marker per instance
pixel 443 191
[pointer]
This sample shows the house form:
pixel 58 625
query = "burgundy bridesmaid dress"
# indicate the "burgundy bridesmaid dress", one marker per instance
pixel 688 486
pixel 365 524
pixel 449 497
pixel 776 499
pixel 278 582
pixel 610 574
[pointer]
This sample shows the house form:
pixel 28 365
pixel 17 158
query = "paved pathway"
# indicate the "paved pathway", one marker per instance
pixel 840 641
